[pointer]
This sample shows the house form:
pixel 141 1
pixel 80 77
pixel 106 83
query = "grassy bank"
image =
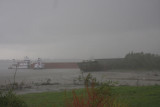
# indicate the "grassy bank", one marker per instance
pixel 144 96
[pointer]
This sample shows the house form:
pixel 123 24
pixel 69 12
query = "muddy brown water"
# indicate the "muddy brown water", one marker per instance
pixel 61 79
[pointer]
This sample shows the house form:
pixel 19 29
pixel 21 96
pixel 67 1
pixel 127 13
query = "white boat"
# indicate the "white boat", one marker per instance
pixel 39 64
pixel 25 64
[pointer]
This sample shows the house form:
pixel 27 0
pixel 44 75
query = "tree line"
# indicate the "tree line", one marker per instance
pixel 142 61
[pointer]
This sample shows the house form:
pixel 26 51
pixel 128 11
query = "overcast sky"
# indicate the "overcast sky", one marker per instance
pixel 78 29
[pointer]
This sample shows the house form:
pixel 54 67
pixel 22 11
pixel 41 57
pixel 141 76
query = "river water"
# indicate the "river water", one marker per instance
pixel 61 79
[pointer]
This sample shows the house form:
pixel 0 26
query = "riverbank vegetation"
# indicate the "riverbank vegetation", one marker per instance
pixel 10 99
pixel 143 96
pixel 95 94
pixel 126 96
pixel 132 61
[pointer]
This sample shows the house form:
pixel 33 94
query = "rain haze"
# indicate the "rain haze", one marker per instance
pixel 78 29
pixel 64 45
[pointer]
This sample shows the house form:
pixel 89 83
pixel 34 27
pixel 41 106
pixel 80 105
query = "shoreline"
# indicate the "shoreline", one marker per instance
pixel 46 80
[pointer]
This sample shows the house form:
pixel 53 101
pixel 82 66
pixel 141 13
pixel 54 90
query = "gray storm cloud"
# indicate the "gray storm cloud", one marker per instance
pixel 78 29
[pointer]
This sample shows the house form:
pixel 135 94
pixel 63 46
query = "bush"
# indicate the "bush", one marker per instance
pixel 96 95
pixel 10 99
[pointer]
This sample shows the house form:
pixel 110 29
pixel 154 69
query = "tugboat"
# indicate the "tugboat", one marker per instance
pixel 39 64
pixel 25 64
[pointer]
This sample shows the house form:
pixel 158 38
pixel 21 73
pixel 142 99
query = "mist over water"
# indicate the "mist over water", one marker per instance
pixel 64 78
